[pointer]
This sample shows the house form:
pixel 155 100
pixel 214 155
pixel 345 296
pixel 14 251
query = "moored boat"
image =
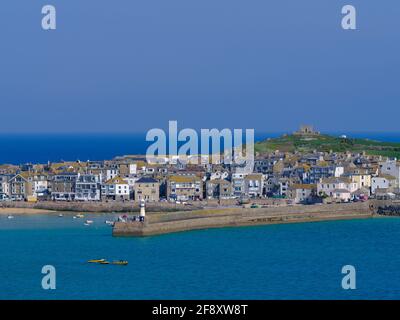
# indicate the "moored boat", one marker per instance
pixel 120 262
pixel 96 260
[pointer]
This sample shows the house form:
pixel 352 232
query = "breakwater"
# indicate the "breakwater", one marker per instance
pixel 233 217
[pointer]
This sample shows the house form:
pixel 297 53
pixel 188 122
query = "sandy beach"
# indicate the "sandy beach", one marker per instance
pixel 16 211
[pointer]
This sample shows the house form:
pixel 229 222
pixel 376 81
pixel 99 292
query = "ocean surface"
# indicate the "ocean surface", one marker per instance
pixel 41 148
pixel 292 261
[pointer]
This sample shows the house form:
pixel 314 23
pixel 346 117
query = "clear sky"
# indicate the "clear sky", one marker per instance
pixel 130 65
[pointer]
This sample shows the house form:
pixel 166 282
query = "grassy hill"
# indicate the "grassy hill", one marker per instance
pixel 308 143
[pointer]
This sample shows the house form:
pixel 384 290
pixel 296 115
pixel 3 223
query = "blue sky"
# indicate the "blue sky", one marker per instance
pixel 129 65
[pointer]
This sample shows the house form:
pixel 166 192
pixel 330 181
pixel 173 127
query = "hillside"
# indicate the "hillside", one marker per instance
pixel 322 142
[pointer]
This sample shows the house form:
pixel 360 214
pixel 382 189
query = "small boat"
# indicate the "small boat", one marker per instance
pixel 121 219
pixel 86 224
pixel 79 216
pixel 120 262
pixel 10 217
pixel 61 215
pixel 96 260
pixel 108 222
pixel 89 221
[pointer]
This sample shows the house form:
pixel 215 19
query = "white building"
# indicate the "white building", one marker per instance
pixel 111 174
pixel 115 189
pixel 339 171
pixel 88 187
pixel 283 187
pixel 132 168
pixel 4 185
pixel 382 182
pixel 238 184
pixel 337 188
pixel 390 167
pixel 301 193
pixel 40 184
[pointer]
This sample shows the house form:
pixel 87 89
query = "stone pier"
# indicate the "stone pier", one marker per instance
pixel 233 217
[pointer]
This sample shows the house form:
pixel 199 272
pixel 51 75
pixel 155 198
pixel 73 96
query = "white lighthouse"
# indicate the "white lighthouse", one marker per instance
pixel 142 209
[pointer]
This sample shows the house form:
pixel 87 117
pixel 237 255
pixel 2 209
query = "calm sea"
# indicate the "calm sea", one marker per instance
pixel 294 261
pixel 41 148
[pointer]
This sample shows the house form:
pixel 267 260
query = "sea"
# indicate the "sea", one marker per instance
pixel 42 148
pixel 289 261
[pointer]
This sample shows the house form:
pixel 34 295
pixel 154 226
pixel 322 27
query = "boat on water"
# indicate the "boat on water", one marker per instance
pixel 80 216
pixel 108 222
pixel 89 221
pixel 120 262
pixel 123 218
pixel 61 215
pixel 104 261
pixel 96 260
pixel 10 217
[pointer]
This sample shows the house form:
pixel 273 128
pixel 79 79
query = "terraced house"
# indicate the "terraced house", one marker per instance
pixel 20 186
pixel 337 188
pixel 4 186
pixel 302 193
pixel 219 189
pixel 254 185
pixel 63 186
pixel 148 189
pixel 115 189
pixel 88 187
pixel 184 187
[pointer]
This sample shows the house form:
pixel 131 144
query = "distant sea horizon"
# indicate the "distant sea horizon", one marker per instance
pixel 20 148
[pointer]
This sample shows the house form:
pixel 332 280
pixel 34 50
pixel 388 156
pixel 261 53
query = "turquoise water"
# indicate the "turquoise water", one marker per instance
pixel 294 261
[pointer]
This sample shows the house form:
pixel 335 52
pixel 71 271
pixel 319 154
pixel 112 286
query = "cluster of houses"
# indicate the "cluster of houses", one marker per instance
pixel 299 177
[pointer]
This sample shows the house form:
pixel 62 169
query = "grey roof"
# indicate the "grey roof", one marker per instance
pixel 146 180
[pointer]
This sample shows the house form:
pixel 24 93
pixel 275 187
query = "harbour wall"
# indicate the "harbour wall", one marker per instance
pixel 132 206
pixel 100 206
pixel 232 217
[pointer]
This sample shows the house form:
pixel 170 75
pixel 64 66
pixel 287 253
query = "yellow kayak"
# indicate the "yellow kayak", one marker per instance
pixel 97 260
